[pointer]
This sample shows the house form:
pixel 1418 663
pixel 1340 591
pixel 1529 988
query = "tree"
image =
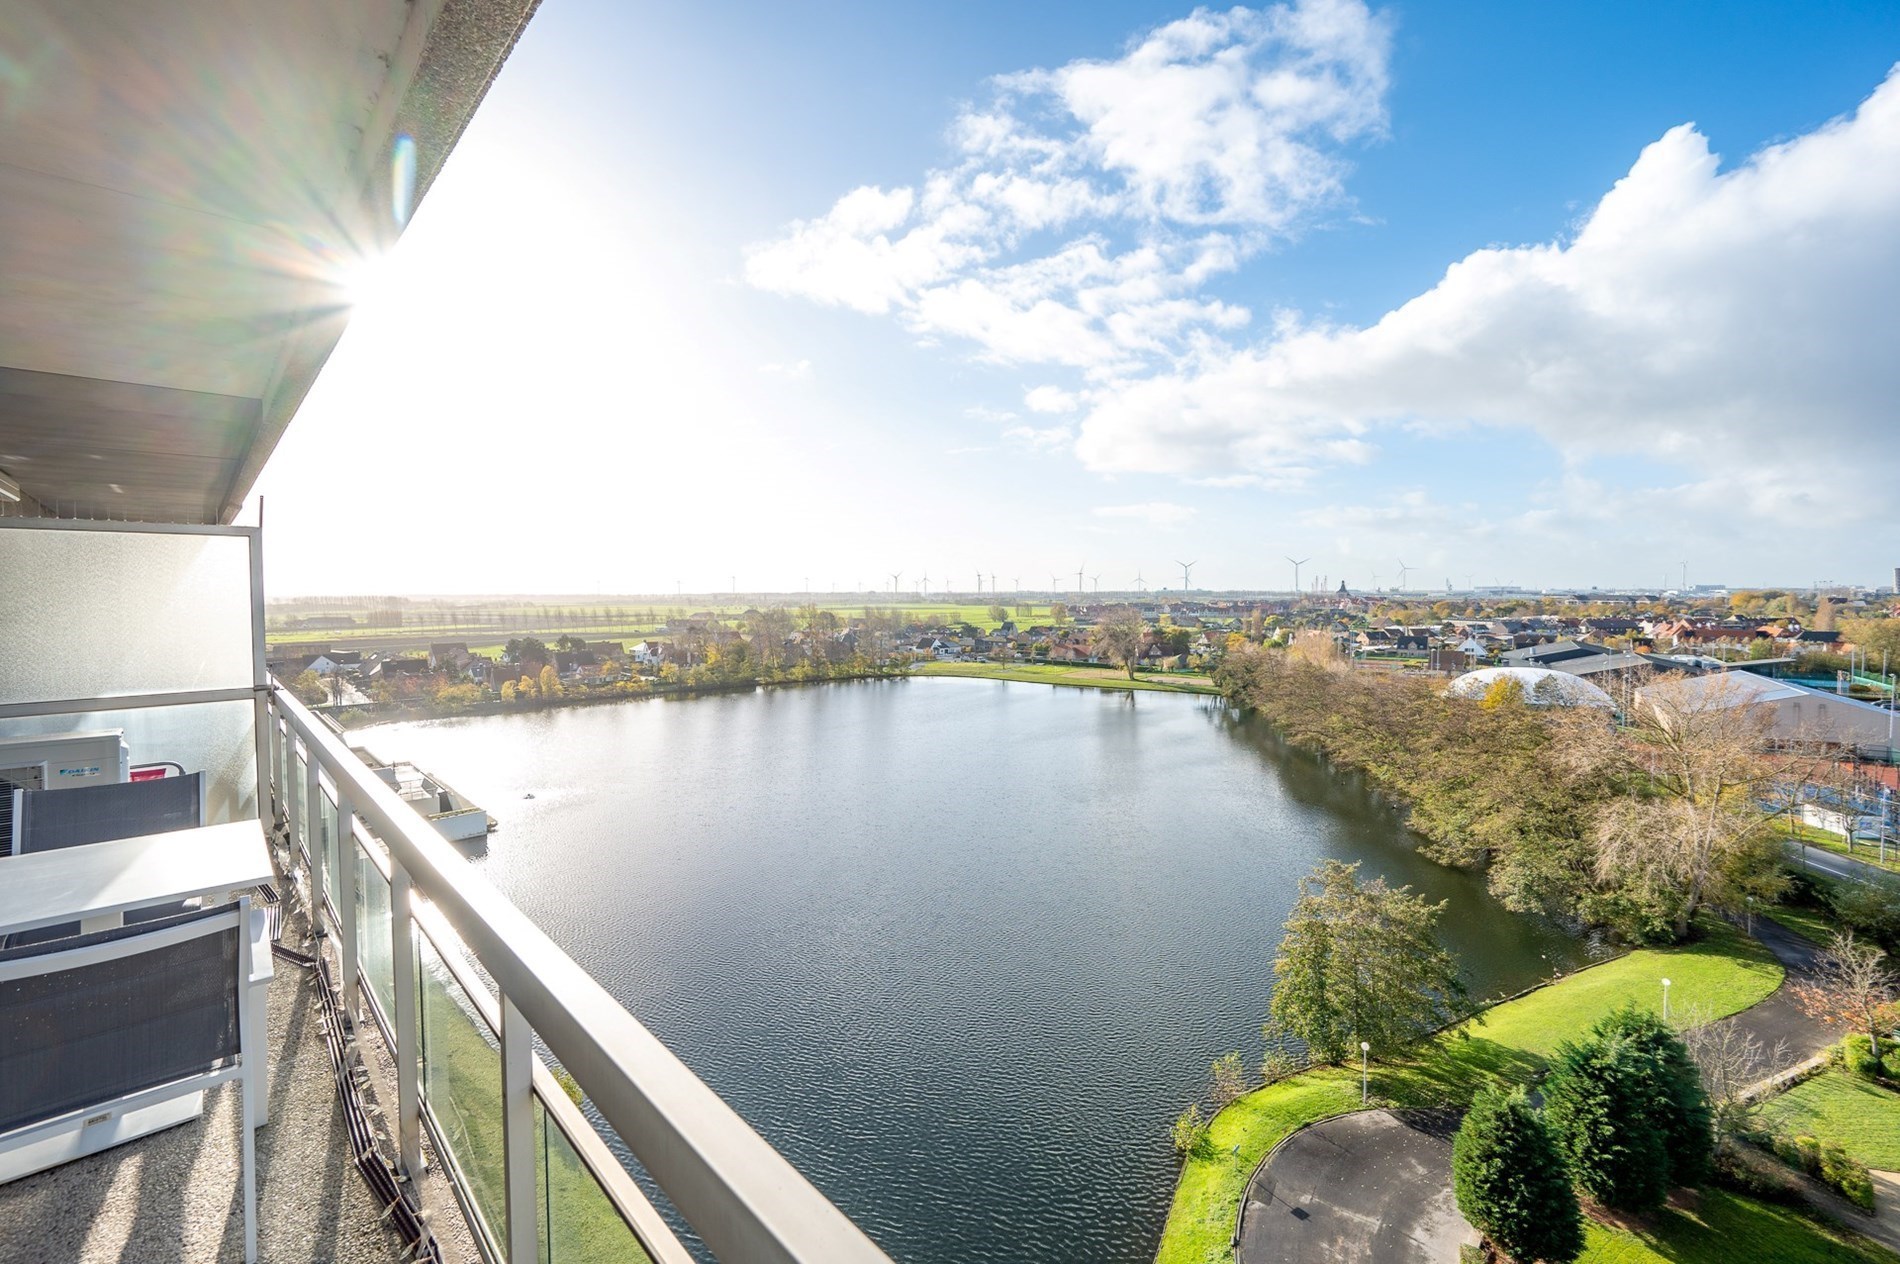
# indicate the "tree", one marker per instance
pixel 309 688
pixel 1731 1061
pixel 1678 1103
pixel 1228 1079
pixel 1058 613
pixel 1361 962
pixel 508 691
pixel 1505 691
pixel 1878 639
pixel 1697 831
pixel 1189 1131
pixel 1511 1181
pixel 550 682
pixel 1118 638
pixel 1850 984
pixel 998 614
pixel 1597 1102
pixel 523 650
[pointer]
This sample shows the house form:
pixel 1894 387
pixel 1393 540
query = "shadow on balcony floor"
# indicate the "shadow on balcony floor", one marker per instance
pixel 175 1195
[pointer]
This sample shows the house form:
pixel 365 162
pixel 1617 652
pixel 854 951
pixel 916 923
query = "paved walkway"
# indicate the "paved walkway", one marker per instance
pixel 1364 1188
pixel 1374 1187
pixel 1778 1022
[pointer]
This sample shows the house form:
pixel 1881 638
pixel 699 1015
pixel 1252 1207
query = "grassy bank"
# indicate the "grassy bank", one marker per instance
pixel 1714 1226
pixel 1862 1118
pixel 1070 674
pixel 1723 973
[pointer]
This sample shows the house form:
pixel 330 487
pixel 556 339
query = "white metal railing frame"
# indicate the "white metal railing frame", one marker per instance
pixel 743 1198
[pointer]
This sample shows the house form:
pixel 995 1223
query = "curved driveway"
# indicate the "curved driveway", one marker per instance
pixel 1370 1186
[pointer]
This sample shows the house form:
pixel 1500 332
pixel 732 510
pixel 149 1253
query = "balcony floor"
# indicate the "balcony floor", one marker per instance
pixel 175 1195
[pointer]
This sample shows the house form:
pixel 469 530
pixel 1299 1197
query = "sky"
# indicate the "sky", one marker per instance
pixel 789 298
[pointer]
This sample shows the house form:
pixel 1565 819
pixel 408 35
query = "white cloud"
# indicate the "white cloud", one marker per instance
pixel 791 370
pixel 1044 439
pixel 1086 205
pixel 1737 321
pixel 1161 515
pixel 1050 399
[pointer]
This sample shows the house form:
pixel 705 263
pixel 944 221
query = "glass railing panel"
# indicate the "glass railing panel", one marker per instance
pixel 375 960
pixel 461 1087
pixel 579 1223
pixel 328 850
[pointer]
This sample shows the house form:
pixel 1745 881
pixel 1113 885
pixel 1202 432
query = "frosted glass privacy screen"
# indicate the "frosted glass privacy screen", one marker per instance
pixel 106 614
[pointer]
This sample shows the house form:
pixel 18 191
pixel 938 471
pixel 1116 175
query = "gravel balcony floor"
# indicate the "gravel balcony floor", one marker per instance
pixel 176 1195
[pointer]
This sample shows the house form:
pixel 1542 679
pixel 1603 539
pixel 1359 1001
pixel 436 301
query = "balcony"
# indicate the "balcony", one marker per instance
pixel 495 1074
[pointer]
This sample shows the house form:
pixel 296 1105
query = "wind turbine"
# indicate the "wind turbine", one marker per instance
pixel 1097 581
pixel 1141 585
pixel 1297 563
pixel 1055 583
pixel 993 589
pixel 1186 567
pixel 895 576
pixel 1404 570
pixel 1078 578
pixel 923 585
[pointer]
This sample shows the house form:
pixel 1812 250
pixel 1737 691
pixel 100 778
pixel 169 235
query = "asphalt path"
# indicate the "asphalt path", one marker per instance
pixel 1374 1186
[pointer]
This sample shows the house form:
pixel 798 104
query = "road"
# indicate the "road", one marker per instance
pixel 1820 860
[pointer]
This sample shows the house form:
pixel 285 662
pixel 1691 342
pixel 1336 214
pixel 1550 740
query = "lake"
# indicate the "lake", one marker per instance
pixel 960 949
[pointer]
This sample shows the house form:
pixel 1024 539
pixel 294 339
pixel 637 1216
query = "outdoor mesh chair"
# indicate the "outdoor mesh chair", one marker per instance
pixel 99 1029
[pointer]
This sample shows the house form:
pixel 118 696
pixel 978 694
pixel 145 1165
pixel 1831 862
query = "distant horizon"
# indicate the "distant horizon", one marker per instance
pixel 963 596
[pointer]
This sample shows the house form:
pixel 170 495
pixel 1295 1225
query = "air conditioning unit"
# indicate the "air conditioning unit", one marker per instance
pixel 58 761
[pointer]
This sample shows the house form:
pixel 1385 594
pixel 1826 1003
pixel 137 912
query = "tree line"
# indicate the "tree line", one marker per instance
pixel 1636 827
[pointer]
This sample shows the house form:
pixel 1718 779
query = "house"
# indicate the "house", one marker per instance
pixel 649 653
pixel 448 654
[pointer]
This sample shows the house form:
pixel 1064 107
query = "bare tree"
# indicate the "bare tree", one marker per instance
pixel 1852 985
pixel 1699 750
pixel 1118 638
pixel 1731 1062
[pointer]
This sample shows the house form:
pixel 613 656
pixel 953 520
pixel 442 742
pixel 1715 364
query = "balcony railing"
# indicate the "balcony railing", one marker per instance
pixel 534 1178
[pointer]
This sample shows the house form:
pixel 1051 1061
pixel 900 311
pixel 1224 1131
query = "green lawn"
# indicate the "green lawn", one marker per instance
pixel 1724 1228
pixel 1722 973
pixel 1862 1118
pixel 1065 674
pixel 1811 924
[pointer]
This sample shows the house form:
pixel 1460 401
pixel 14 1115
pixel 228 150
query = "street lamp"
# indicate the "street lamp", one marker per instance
pixel 1365 1051
pixel 1665 983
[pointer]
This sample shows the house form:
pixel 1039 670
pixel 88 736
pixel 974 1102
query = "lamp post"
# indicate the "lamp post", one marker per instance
pixel 1365 1051
pixel 1665 984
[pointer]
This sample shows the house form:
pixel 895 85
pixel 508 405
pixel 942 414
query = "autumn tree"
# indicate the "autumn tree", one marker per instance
pixel 1361 962
pixel 1118 638
pixel 549 683
pixel 1694 830
pixel 1851 984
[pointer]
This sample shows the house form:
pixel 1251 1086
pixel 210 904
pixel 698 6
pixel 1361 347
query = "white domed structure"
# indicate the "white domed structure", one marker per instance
pixel 1541 687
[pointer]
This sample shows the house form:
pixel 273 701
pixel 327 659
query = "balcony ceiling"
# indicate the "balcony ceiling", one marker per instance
pixel 185 189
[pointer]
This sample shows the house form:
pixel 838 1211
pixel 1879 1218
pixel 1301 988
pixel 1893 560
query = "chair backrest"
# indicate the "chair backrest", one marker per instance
pixel 89 1019
pixel 50 819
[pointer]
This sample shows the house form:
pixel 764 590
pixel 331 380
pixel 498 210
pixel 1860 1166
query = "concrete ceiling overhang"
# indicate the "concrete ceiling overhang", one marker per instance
pixel 185 191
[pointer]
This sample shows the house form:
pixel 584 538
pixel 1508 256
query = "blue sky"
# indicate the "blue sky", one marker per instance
pixel 741 293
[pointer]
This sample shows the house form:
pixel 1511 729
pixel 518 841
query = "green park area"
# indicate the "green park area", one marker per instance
pixel 1714 1226
pixel 1073 674
pixel 1721 973
pixel 1858 1115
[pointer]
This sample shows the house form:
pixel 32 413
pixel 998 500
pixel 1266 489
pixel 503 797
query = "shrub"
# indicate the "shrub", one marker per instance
pixel 1190 1132
pixel 1831 1165
pixel 1857 1055
pixel 1871 909
pixel 1511 1182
